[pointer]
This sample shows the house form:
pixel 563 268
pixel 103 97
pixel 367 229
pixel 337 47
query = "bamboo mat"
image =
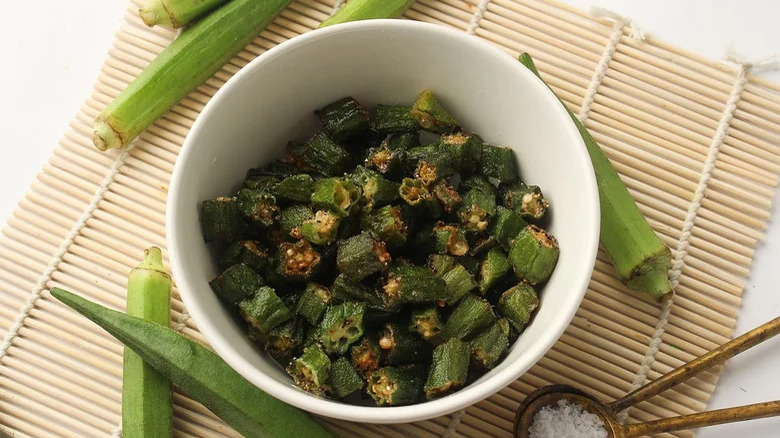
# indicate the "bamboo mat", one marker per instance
pixel 695 140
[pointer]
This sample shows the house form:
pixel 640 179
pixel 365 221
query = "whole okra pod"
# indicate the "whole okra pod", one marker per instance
pixel 412 284
pixel 341 326
pixel 311 371
pixel 264 310
pixel 449 368
pixel 175 14
pixel 470 316
pixel 236 283
pixel 344 119
pixel 517 304
pixel 527 201
pixel 395 386
pixel 534 254
pixel 400 346
pixel 361 256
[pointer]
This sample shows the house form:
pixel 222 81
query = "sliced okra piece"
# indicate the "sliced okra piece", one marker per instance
pixel 221 219
pixel 263 182
pixel 313 302
pixel 450 239
pixel 508 224
pixel 478 182
pixel 466 150
pixel 447 195
pixel 365 354
pixel 412 284
pixel 471 264
pixel 401 346
pixel 277 169
pixel 298 261
pixel 430 162
pixel 388 224
pixel 335 194
pixel 393 119
pixel 377 190
pixel 390 156
pixel 470 316
pixel 361 256
pixel 259 206
pixel 499 162
pixel 534 254
pixel 344 378
pixel 477 209
pixel 458 283
pixel 426 321
pixel 311 335
pixel 488 347
pixel 527 201
pixel 341 326
pixel 344 290
pixel 325 155
pixel 264 310
pixel 344 119
pixel 311 371
pixel 482 244
pixel 296 188
pixel 396 386
pixel 449 368
pixel 322 228
pixel 440 264
pixel 236 283
pixel 517 304
pixel 248 252
pixel 431 116
pixel 414 192
pixel 493 268
pixel 285 339
pixel 291 219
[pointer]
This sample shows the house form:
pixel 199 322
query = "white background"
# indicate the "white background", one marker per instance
pixel 51 51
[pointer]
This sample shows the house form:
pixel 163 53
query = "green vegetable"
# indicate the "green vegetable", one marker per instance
pixel 312 370
pixel 394 119
pixel 517 304
pixel 426 321
pixel 388 224
pixel 341 326
pixel 417 195
pixel 482 245
pixel 285 339
pixel 261 177
pixel 365 354
pixel 481 183
pixel 361 256
pixel 450 239
pixel 400 346
pixel 335 194
pixel 355 10
pixel 377 190
pixel 459 282
pixel 447 195
pixel 248 252
pixel 313 302
pixel 291 219
pixel 236 283
pixel 499 162
pixel 298 261
pixel 470 316
pixel 534 254
pixel 295 188
pixel 176 13
pixel 641 259
pixel 412 284
pixel 258 206
pixel 325 156
pixel 198 53
pixel 261 182
pixel 466 150
pixel 488 347
pixel 449 368
pixel 389 157
pixel 493 268
pixel 508 224
pixel 440 163
pixel 146 394
pixel 440 264
pixel 201 374
pixel 344 378
pixel 345 290
pixel 527 201
pixel 395 386
pixel 477 209
pixel 431 115
pixel 343 119
pixel 220 219
pixel 321 229
pixel 264 310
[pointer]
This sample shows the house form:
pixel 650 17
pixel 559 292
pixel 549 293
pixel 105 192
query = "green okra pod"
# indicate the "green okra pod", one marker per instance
pixel 361 256
pixel 261 182
pixel 417 195
pixel 365 354
pixel 313 302
pixel 527 201
pixel 396 386
pixel 326 156
pixel 344 290
pixel 388 224
pixel 440 264
pixel 394 119
pixel 264 310
pixel 499 162
pixel 449 368
pixel 470 316
pixel 298 261
pixel 344 378
pixel 335 194
pixel 284 340
pixel 292 218
pixel 322 228
pixel 426 321
pixel 431 115
pixel 389 157
pixel 400 346
pixel 493 268
pixel 341 326
pixel 236 283
pixel 507 225
pixel 466 150
pixel 221 219
pixel 367 9
pixel 377 190
pixel 296 188
pixel 517 304
pixel 430 163
pixel 450 239
pixel 534 254
pixel 412 284
pixel 176 13
pixel 311 371
pixel 488 347
pixel 344 119
pixel 258 206
pixel 458 283
pixel 447 195
pixel 248 252
pixel 477 210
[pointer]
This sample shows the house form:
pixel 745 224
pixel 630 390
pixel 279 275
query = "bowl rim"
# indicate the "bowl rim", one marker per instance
pixel 369 414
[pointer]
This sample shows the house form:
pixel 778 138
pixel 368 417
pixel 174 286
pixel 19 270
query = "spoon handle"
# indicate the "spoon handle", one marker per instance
pixel 694 367
pixel 710 418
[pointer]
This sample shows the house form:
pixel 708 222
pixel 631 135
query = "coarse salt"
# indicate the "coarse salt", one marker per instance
pixel 567 420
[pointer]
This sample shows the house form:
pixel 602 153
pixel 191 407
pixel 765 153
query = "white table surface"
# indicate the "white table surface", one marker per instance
pixel 52 50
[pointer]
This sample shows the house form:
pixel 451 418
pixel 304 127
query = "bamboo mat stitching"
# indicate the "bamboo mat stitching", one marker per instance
pixel 477 17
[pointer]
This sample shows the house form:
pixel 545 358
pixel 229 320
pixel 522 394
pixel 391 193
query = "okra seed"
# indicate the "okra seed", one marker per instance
pixel 386 343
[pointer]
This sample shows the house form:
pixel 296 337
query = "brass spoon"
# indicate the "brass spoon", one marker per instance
pixel 550 395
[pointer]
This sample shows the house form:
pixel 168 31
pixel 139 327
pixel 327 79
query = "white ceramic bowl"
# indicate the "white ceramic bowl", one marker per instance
pixel 270 101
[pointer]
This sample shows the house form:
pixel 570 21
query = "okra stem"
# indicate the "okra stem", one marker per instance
pixel 175 13
pixel 356 10
pixel 641 259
